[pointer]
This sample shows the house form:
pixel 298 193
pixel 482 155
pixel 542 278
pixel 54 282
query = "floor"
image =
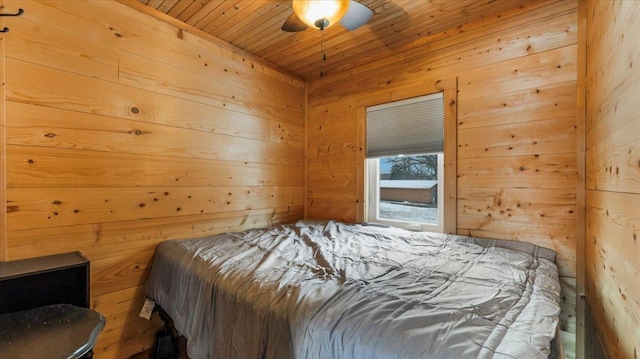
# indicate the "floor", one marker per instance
pixel 182 348
pixel 569 353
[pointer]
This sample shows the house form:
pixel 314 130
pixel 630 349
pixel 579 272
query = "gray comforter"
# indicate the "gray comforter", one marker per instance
pixel 332 290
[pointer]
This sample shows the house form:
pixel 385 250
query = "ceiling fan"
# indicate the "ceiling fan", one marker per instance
pixel 321 14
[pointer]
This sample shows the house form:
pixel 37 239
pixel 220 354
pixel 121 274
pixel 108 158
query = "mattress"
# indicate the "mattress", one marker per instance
pixel 336 290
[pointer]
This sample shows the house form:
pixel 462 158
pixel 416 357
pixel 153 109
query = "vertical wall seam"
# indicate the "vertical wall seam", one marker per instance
pixel 3 147
pixel 581 181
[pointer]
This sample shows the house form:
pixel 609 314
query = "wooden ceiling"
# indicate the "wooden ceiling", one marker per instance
pixel 254 26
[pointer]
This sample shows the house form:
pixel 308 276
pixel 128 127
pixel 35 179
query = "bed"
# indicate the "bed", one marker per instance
pixel 336 290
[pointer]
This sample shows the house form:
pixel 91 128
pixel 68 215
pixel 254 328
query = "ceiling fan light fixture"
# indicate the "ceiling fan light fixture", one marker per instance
pixel 320 14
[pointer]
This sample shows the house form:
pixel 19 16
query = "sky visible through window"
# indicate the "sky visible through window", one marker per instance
pixel 385 166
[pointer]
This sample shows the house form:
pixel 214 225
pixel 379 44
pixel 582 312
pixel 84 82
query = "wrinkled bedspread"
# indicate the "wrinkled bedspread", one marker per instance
pixel 332 290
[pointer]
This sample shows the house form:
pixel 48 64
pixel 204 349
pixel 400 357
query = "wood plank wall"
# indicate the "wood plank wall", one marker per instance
pixel 123 131
pixel 516 130
pixel 613 179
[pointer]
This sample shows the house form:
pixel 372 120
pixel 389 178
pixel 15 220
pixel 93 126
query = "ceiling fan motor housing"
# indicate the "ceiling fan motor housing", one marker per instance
pixel 321 23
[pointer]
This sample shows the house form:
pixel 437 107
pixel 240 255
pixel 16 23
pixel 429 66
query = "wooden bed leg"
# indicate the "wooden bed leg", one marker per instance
pixel 165 344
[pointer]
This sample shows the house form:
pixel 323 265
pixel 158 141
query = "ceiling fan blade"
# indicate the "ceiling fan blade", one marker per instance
pixel 356 16
pixel 293 24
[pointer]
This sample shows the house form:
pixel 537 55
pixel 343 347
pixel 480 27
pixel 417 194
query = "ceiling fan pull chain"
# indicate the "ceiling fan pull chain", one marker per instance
pixel 322 50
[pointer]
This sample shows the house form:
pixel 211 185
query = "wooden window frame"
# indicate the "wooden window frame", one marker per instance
pixel 449 88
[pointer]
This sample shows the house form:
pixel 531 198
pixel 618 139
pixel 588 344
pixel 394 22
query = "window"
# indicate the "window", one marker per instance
pixel 405 163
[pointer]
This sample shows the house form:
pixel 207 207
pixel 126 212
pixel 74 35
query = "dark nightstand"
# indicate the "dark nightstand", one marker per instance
pixel 44 308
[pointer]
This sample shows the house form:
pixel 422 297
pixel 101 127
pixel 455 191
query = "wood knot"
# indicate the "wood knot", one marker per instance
pixel 135 110
pixel 50 135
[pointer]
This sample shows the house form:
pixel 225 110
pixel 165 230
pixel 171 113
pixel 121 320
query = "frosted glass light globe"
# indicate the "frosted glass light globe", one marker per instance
pixel 320 14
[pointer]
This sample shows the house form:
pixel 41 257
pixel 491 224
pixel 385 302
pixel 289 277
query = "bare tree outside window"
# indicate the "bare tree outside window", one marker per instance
pixel 413 167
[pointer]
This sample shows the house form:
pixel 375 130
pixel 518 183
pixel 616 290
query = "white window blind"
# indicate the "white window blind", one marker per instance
pixel 408 127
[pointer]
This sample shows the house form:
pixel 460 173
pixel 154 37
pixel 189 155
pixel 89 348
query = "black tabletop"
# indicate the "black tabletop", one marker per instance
pixel 54 331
